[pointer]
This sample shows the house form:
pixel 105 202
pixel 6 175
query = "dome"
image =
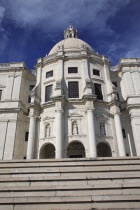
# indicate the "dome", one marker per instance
pixel 71 42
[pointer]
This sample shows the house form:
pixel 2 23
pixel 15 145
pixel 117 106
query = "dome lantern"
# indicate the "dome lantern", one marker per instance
pixel 70 33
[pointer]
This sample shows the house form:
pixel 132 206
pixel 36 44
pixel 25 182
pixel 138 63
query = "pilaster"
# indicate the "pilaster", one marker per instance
pixel 115 111
pixel 91 127
pixel 59 129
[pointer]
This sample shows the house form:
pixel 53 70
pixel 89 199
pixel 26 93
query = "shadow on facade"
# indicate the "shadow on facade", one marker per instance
pixel 103 150
pixel 47 151
pixel 75 150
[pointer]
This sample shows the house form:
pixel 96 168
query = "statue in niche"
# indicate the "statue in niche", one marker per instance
pixel 102 129
pixel 75 128
pixel 48 130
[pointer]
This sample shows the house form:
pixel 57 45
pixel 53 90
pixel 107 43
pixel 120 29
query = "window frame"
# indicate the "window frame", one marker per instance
pixel 71 93
pixel 49 74
pixel 96 70
pixel 99 96
pixel 72 70
pixel 49 97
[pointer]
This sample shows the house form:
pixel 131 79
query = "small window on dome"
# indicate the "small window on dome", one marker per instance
pixel 49 74
pixel 96 72
pixel 72 70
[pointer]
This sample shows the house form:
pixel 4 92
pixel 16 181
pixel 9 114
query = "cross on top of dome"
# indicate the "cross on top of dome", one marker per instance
pixel 70 32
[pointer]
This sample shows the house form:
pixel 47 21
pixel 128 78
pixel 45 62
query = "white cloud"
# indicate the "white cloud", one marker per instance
pixel 50 15
pixel 2 12
pixel 133 52
pixel 3 33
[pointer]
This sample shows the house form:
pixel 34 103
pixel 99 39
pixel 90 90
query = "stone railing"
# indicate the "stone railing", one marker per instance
pixel 4 65
pixel 12 65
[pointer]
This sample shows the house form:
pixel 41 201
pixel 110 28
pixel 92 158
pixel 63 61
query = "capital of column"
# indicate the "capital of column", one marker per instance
pixel 33 115
pixel 114 109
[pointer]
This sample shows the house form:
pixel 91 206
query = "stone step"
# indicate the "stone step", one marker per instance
pixel 45 182
pixel 68 174
pixel 71 169
pixel 83 176
pixel 65 187
pixel 71 199
pixel 61 192
pixel 67 163
pixel 97 186
pixel 102 183
pixel 74 206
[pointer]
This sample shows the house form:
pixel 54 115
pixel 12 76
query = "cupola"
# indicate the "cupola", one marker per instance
pixel 70 32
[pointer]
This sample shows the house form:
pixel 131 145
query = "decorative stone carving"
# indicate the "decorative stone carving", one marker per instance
pixel 102 129
pixel 114 110
pixel 75 129
pixel 48 130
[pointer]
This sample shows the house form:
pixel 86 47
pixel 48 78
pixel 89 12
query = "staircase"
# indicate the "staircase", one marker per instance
pixel 102 183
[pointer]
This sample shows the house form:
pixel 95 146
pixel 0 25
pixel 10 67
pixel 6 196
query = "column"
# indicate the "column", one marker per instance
pixel 31 139
pixel 59 133
pixel 135 123
pixel 91 133
pixel 116 112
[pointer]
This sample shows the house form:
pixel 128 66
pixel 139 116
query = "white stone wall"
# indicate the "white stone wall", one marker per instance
pixel 14 83
pixel 61 112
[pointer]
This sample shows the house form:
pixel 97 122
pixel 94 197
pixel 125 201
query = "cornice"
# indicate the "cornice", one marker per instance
pixel 71 54
pixel 128 64
pixel 9 110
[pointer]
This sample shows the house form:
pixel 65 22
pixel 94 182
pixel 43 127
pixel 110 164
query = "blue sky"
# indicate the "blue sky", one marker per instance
pixel 30 28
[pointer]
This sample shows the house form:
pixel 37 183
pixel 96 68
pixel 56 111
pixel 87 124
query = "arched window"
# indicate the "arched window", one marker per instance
pixel 76 150
pixel 103 150
pixel 47 151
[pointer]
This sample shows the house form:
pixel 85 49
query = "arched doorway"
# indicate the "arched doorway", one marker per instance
pixel 76 150
pixel 47 151
pixel 103 150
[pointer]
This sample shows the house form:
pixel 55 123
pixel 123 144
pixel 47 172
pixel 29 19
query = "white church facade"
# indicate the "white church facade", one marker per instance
pixel 73 105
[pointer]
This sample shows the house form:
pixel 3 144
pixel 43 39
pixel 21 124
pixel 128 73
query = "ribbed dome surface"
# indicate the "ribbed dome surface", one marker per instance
pixel 71 44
